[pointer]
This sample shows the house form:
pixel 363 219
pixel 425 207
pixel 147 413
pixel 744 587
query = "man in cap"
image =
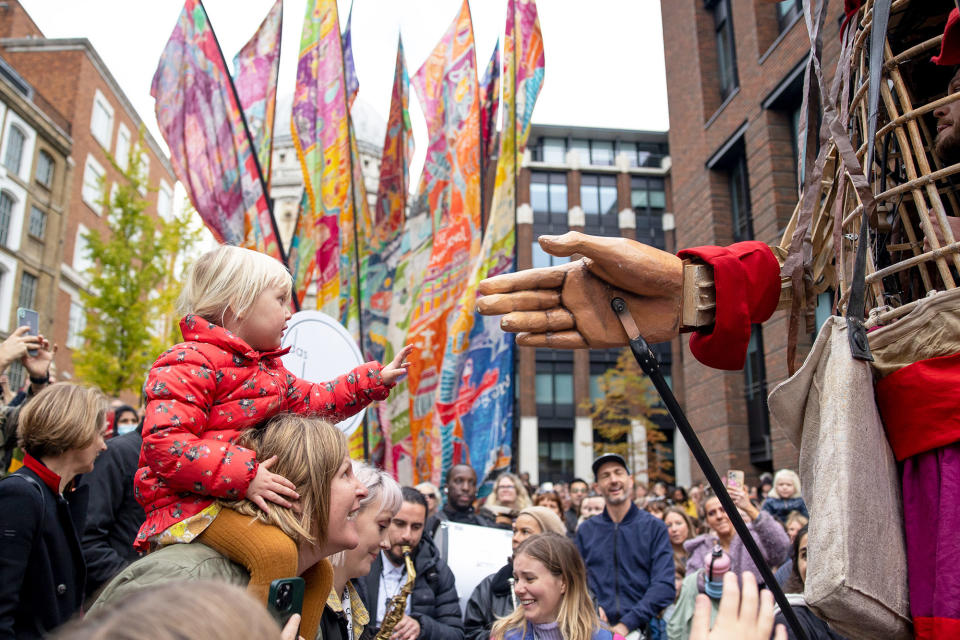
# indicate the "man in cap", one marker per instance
pixel 627 553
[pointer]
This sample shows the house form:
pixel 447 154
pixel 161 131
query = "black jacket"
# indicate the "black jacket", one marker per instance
pixel 114 515
pixel 434 601
pixel 491 599
pixel 42 571
pixel 813 627
pixel 467 516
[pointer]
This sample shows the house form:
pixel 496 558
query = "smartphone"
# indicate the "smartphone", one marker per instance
pixel 735 479
pixel 285 599
pixel 30 318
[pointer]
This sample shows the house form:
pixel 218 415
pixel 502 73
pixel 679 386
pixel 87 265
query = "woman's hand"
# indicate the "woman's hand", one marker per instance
pixel 397 369
pixel 16 345
pixel 270 486
pixel 742 500
pixel 737 618
pixel 38 366
pixel 292 628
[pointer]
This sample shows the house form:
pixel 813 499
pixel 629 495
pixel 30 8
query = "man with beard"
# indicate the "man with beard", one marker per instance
pixel 432 611
pixel 461 491
pixel 627 553
pixel 578 491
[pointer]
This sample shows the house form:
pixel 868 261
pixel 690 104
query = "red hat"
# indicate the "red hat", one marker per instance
pixel 950 45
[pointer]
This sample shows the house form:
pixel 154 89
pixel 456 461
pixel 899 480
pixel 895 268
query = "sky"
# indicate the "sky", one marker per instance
pixel 604 58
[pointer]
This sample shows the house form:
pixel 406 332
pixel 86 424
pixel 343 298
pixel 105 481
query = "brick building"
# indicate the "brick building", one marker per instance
pixel 602 182
pixel 734 83
pixel 70 76
pixel 35 175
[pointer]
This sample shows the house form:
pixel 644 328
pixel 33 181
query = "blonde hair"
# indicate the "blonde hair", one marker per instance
pixel 796 516
pixel 191 609
pixel 62 417
pixel 787 474
pixel 523 498
pixel 229 278
pixel 383 492
pixel 577 619
pixel 309 452
pixel 547 519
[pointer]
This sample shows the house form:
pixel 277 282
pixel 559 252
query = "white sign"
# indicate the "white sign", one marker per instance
pixel 472 553
pixel 321 350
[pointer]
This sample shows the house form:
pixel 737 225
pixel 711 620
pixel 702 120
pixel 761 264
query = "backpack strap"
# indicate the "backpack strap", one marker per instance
pixel 43 498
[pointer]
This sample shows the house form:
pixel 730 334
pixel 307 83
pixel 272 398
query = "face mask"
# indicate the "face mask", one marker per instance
pixel 126 428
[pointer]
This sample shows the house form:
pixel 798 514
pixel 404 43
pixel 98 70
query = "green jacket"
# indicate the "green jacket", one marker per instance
pixel 680 622
pixel 176 562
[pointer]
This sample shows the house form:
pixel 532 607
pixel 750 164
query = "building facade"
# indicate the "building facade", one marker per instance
pixel 734 85
pixel 71 77
pixel 35 175
pixel 601 182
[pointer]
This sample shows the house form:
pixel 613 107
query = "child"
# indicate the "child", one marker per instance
pixel 785 497
pixel 225 378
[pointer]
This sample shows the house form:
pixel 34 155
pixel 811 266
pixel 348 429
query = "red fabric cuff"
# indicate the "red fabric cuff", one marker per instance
pixel 950 45
pixel 746 277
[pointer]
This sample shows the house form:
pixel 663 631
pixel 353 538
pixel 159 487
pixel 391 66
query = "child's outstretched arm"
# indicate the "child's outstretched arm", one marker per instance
pixel 180 448
pixel 348 394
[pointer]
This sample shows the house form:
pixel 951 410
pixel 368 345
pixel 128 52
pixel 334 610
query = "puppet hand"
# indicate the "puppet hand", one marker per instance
pixel 568 306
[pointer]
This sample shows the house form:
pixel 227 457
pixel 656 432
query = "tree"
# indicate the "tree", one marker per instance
pixel 628 401
pixel 132 289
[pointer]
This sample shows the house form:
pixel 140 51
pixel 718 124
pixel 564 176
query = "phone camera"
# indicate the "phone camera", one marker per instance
pixel 284 597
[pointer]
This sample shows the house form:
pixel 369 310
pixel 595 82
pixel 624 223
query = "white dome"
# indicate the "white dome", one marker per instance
pixel 369 125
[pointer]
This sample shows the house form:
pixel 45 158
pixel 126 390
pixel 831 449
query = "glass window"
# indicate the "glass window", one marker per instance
pixel 101 120
pixel 122 154
pixel 563 388
pixel 28 291
pixel 755 394
pixel 45 168
pixel 558 193
pixel 639 198
pixel 14 154
pixel 787 11
pixel 6 213
pixel 608 195
pixel 81 251
pixel 739 184
pixel 539 199
pixel 601 152
pixel 144 171
pixel 596 393
pixel 544 388
pixel 75 326
pixel 590 195
pixel 658 199
pixel 582 147
pixel 38 222
pixel 630 150
pixel 93 175
pixel 554 150
pixel 165 201
pixel 726 55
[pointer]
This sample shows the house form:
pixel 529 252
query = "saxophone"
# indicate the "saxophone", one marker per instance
pixel 398 603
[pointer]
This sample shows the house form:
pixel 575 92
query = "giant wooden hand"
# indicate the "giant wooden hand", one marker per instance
pixel 568 306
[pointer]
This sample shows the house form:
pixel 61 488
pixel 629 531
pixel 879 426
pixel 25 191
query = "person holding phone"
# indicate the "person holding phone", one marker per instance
pixel 18 346
pixel 768 533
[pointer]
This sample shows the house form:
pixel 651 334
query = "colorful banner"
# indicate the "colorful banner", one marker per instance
pixel 349 68
pixel 255 70
pixel 450 191
pixel 211 151
pixel 378 282
pixel 475 401
pixel 489 103
pixel 320 130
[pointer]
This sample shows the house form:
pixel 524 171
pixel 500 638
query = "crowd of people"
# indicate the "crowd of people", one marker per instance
pixel 233 477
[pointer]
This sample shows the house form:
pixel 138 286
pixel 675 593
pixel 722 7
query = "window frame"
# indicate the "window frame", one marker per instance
pixel 42 232
pixel 104 137
pixel 45 159
pixel 123 159
pixel 94 203
pixel 14 129
pixel 6 226
pixel 27 295
pixel 725 45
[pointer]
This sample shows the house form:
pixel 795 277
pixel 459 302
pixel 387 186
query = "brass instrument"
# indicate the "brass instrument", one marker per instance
pixel 397 604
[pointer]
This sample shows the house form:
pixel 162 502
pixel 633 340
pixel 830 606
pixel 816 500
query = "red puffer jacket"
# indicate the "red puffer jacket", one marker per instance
pixel 201 394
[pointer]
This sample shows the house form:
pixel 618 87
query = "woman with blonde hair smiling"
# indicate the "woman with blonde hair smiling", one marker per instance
pixel 552 596
pixel 507 499
pixel 247 546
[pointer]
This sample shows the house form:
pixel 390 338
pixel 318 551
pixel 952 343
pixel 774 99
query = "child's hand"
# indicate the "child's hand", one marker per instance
pixel 270 486
pixel 394 372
